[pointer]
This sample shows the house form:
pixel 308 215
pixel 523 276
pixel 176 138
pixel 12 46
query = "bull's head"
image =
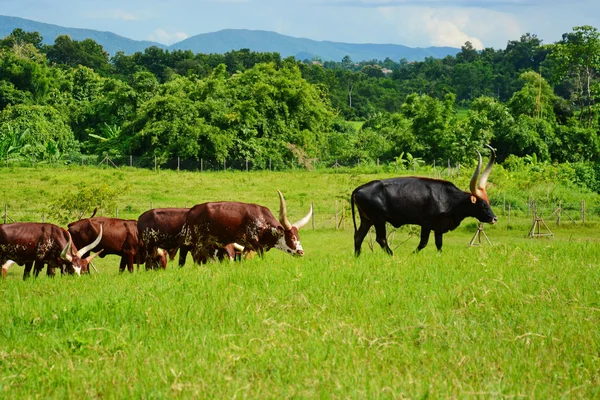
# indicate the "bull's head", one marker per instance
pixel 290 241
pixel 72 256
pixel 479 196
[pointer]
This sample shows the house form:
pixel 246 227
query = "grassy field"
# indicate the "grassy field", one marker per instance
pixel 516 319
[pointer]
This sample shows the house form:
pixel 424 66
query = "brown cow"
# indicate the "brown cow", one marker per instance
pixel 210 226
pixel 120 237
pixel 39 243
pixel 160 232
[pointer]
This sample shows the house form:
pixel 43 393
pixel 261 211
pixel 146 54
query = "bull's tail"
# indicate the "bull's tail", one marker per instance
pixel 353 215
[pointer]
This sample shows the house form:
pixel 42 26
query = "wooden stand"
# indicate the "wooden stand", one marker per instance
pixel 535 231
pixel 476 240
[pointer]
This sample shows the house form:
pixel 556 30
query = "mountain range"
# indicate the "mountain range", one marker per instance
pixel 235 39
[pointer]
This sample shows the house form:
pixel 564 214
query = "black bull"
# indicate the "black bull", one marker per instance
pixel 433 204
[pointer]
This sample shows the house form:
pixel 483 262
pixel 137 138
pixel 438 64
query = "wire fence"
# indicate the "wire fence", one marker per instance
pixel 448 169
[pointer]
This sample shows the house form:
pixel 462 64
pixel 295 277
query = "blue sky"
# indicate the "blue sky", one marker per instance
pixel 408 22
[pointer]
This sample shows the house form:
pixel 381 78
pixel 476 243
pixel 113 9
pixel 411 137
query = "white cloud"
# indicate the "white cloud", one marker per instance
pixel 426 26
pixel 164 37
pixel 115 14
pixel 124 15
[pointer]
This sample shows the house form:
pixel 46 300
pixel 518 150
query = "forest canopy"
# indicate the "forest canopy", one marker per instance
pixel 530 101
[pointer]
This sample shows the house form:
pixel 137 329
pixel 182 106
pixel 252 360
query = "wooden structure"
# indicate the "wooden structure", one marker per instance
pixel 476 240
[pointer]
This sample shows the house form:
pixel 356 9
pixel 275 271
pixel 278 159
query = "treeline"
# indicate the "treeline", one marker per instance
pixel 532 102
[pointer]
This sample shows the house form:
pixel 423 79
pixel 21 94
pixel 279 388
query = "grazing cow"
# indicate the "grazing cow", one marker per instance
pixel 435 205
pixel 160 232
pixel 39 243
pixel 120 237
pixel 213 226
pixel 233 252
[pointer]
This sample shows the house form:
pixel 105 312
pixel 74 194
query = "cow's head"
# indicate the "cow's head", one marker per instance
pixel 290 241
pixel 72 256
pixel 479 198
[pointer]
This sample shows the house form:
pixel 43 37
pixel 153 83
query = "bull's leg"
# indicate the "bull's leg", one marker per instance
pixel 438 240
pixel 424 238
pixel 129 260
pixel 38 266
pixel 122 264
pixel 360 234
pixel 50 269
pixel 381 237
pixel 27 270
pixel 183 250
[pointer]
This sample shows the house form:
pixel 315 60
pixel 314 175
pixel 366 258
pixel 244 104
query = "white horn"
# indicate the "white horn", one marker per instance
pixel 65 253
pixel 238 247
pixel 304 220
pixel 283 213
pixel 90 246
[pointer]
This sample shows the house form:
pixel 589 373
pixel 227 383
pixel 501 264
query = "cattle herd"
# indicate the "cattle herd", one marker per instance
pixel 234 230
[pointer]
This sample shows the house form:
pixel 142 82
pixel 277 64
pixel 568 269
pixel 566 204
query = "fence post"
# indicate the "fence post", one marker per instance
pixel 343 216
pixel 270 165
pixel 246 165
pixel 177 163
pixel 508 221
pixel 336 215
pixel 154 163
pixel 559 212
pixel 82 160
pixel 582 211
pixel 130 160
pixel 224 164
pixel 201 164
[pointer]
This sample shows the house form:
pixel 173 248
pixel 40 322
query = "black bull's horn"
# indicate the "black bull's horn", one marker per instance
pixel 479 189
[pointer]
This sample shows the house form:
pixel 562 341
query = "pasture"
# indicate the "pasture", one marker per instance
pixel 516 319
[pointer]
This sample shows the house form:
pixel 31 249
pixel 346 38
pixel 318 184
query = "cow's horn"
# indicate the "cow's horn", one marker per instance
pixel 65 253
pixel 283 213
pixel 90 246
pixel 304 220
pixel 238 247
pixel 92 256
pixel 488 168
pixel 473 185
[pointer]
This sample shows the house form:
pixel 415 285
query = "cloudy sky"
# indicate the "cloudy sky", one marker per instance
pixel 414 23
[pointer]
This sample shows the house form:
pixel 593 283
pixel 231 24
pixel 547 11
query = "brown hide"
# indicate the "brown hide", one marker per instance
pixel 161 228
pixel 120 238
pixel 29 242
pixel 215 225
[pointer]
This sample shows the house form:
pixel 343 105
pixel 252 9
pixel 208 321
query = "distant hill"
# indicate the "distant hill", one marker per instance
pixel 235 39
pixel 110 41
pixel 265 41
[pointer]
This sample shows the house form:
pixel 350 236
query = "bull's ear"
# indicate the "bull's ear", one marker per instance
pixel 473 199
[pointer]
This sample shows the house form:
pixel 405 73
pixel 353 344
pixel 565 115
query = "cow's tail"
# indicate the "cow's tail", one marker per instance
pixel 353 215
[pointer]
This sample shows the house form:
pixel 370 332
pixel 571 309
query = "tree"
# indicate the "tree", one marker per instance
pixel 578 56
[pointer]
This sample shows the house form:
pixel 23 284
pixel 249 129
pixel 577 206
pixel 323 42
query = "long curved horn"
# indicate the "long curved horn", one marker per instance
pixel 304 220
pixel 92 256
pixel 473 185
pixel 488 168
pixel 65 253
pixel 283 213
pixel 90 246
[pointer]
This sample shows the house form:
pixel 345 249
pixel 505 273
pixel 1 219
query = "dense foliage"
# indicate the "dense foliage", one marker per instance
pixel 532 101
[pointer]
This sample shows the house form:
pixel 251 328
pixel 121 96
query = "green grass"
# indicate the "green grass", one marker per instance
pixel 516 319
